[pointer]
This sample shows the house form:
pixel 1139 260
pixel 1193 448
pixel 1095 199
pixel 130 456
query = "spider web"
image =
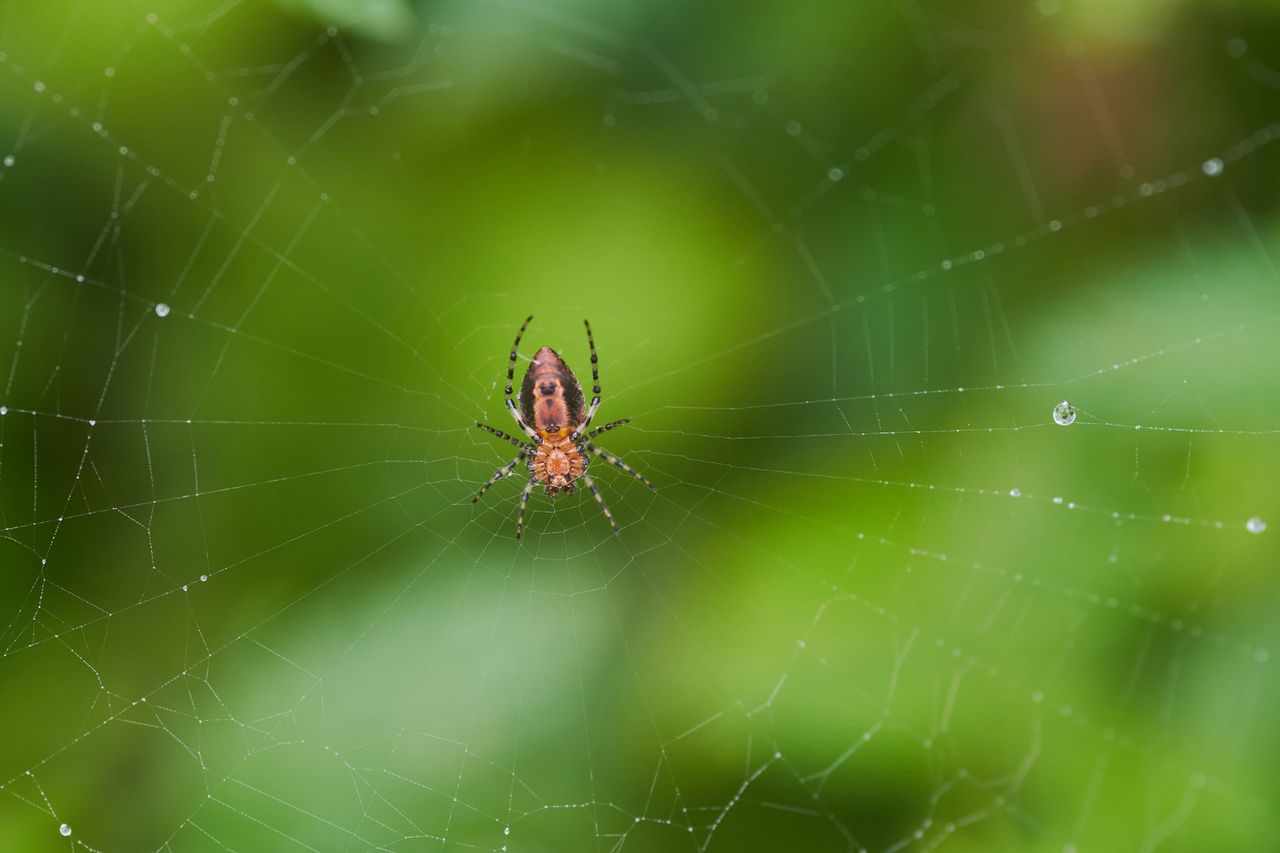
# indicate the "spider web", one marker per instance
pixel 261 269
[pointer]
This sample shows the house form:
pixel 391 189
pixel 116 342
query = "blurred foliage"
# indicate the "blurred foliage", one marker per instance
pixel 841 261
pixel 388 20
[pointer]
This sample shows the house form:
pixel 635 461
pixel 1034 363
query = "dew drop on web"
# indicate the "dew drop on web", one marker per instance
pixel 1255 525
pixel 1064 414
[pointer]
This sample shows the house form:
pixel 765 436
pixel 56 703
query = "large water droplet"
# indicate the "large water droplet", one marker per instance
pixel 1064 414
pixel 64 830
pixel 162 309
pixel 1255 525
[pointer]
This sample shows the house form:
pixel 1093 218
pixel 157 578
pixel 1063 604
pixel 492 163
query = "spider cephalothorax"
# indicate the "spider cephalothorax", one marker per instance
pixel 554 415
pixel 556 464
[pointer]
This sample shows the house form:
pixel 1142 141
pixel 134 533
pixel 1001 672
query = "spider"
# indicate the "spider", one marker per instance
pixel 552 415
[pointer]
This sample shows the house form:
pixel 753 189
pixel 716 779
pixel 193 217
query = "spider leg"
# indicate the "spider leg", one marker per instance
pixel 595 385
pixel 511 376
pixel 515 413
pixel 607 427
pixel 502 435
pixel 524 502
pixel 502 472
pixel 591 484
pixel 619 464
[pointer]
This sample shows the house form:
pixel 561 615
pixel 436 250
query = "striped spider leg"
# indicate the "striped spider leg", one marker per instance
pixel 511 375
pixel 619 464
pixel 595 395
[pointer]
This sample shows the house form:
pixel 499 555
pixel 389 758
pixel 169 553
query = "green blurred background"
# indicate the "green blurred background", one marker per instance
pixel 841 259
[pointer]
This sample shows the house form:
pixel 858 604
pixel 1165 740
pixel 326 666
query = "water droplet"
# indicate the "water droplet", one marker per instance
pixel 9 160
pixel 64 831
pixel 793 128
pixel 835 173
pixel 1014 493
pixel 1212 167
pixel 203 578
pixel 506 830
pixel 1064 414
pixel 1255 525
pixel 162 309
pixel 4 410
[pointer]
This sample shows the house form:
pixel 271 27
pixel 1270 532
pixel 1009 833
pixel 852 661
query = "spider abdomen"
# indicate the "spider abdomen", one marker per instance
pixel 551 398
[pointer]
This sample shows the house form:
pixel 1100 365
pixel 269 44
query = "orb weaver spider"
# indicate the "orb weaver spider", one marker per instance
pixel 552 415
